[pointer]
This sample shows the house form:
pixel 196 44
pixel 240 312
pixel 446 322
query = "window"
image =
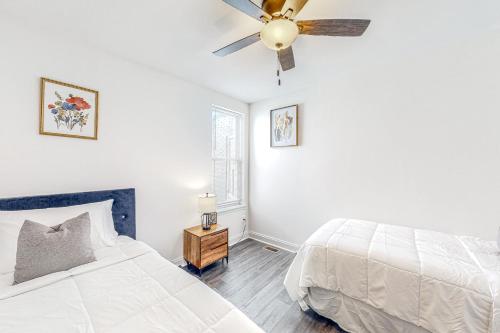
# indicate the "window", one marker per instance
pixel 227 159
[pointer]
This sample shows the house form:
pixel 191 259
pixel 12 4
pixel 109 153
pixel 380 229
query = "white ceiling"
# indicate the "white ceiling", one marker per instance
pixel 178 37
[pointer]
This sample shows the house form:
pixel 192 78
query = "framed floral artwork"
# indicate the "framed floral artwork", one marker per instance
pixel 68 110
pixel 284 126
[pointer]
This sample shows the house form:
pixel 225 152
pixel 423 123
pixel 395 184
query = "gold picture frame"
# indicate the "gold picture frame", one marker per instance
pixel 68 110
pixel 284 126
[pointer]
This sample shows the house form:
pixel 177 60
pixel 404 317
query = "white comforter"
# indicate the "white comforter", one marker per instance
pixel 440 282
pixel 130 288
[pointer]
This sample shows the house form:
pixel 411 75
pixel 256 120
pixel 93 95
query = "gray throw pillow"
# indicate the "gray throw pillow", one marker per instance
pixel 42 250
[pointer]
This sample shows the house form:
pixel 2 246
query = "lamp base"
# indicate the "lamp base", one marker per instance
pixel 205 221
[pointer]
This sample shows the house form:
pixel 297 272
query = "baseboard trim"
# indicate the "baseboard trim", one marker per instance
pixel 232 241
pixel 238 238
pixel 273 241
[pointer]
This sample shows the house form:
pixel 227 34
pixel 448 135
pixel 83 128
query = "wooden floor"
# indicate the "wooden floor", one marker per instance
pixel 253 282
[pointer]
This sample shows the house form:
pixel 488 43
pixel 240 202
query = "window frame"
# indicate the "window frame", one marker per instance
pixel 239 159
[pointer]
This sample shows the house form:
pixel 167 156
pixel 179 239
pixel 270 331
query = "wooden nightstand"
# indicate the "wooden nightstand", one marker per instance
pixel 204 247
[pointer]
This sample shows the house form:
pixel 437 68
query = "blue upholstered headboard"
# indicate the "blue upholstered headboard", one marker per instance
pixel 123 206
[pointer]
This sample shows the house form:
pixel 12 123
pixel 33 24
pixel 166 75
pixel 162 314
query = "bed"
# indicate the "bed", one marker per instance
pixel 371 277
pixel 129 288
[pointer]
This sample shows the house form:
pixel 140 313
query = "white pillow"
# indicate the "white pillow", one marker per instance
pixel 102 231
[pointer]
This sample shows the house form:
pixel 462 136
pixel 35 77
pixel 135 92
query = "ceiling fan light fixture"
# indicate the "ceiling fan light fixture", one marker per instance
pixel 279 34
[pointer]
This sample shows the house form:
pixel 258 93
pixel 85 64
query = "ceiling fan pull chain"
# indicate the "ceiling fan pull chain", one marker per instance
pixel 278 71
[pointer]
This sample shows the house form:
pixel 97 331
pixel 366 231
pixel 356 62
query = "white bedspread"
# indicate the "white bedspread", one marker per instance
pixel 130 288
pixel 440 282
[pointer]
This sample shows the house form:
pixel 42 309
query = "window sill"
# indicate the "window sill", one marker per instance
pixel 230 209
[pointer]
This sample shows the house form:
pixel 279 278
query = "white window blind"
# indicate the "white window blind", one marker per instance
pixel 227 159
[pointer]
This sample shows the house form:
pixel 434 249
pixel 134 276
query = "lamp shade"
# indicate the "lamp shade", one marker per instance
pixel 279 34
pixel 207 203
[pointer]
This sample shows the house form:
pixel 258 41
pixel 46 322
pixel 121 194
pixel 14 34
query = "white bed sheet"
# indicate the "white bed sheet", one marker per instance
pixel 436 281
pixel 130 288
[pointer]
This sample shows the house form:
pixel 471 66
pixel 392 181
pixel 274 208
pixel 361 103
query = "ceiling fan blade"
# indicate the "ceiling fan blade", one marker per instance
pixel 292 7
pixel 238 45
pixel 286 59
pixel 249 8
pixel 338 27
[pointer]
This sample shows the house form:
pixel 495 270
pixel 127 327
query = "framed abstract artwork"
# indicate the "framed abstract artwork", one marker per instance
pixel 68 110
pixel 284 126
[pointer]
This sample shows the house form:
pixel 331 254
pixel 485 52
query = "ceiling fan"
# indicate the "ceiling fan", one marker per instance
pixel 281 30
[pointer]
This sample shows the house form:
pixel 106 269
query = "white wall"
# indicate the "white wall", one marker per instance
pixel 406 135
pixel 154 134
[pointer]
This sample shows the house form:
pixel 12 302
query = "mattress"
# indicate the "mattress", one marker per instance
pixel 130 288
pixel 434 281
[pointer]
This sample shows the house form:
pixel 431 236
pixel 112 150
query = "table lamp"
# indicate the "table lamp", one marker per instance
pixel 207 206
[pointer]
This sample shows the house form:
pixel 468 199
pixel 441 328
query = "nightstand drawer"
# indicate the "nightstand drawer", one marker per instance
pixel 213 255
pixel 212 241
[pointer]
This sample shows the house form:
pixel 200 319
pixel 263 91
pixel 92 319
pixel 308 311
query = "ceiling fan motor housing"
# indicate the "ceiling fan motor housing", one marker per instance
pixel 273 7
